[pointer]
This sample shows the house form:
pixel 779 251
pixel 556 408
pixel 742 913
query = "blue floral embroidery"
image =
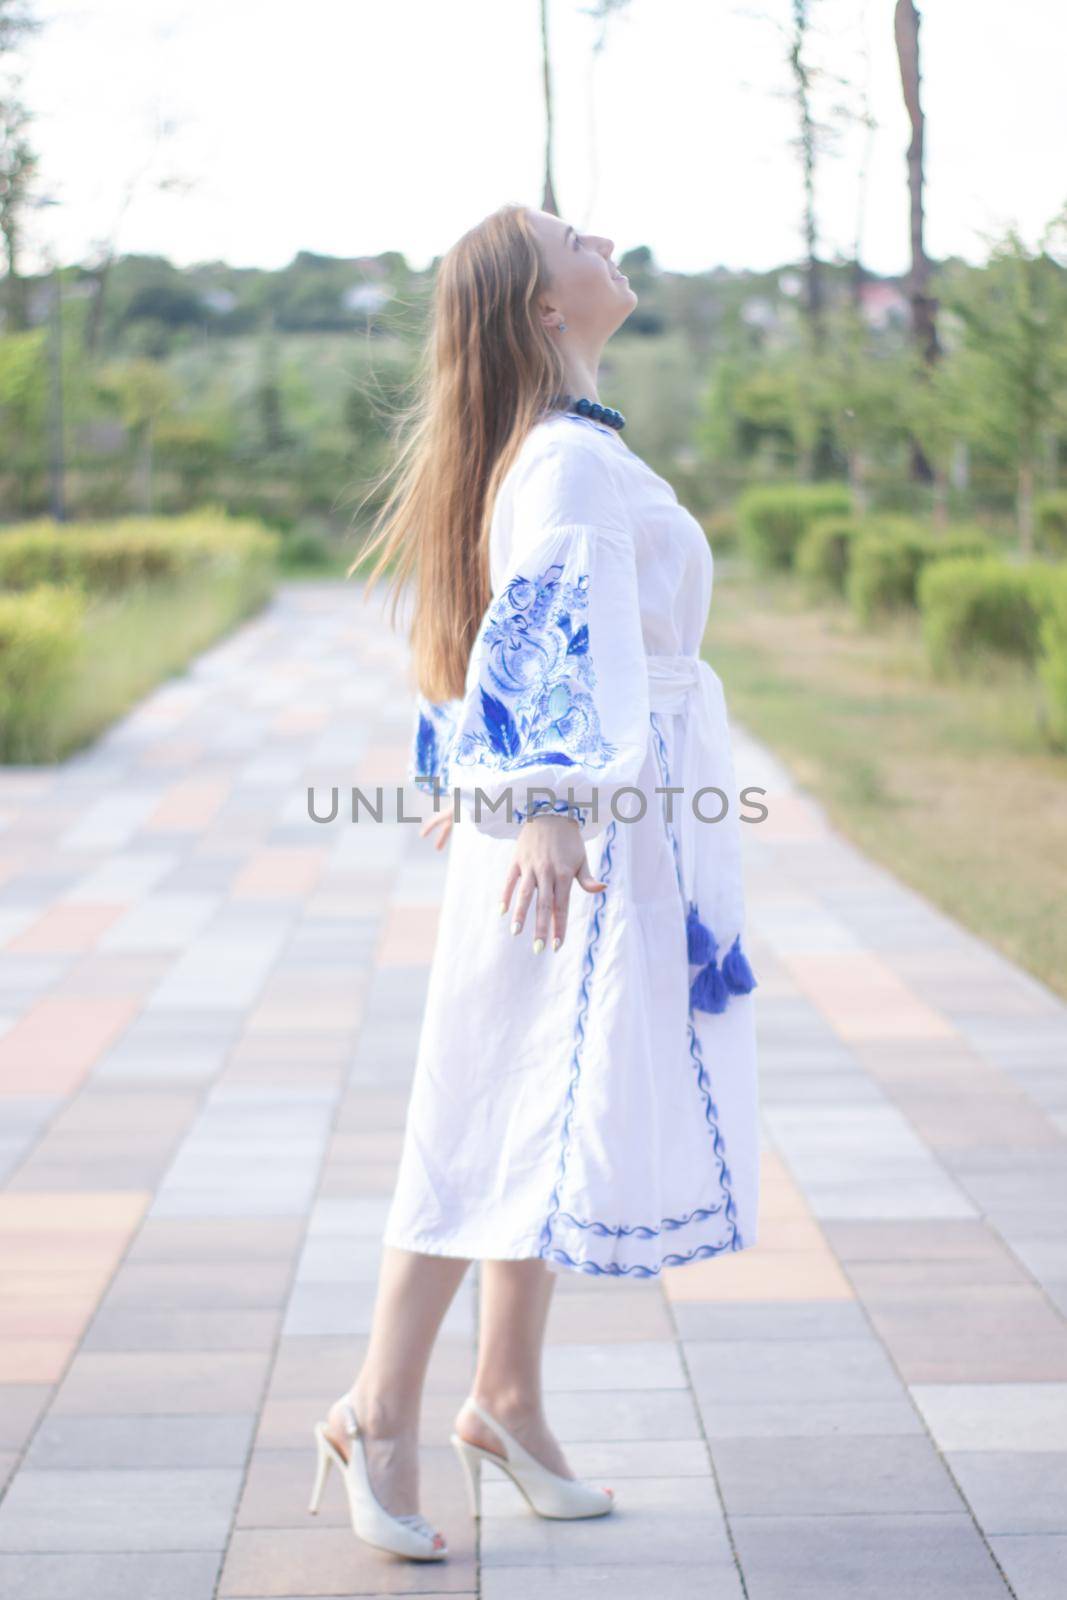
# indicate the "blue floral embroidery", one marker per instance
pixel 537 707
pixel 434 732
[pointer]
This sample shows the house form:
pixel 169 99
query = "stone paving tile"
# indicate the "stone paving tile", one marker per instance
pixel 631 1581
pixel 926 1557
pixel 995 1416
pixel 163 1575
pixel 142 1441
pixel 1013 1491
pixel 832 1475
pixel 1034 1564
pixel 680 1518
pixel 100 1509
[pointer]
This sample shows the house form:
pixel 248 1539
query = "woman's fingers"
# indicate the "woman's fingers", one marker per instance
pixel 527 885
pixel 560 907
pixel 514 874
pixel 437 819
pixel 585 878
pixel 546 897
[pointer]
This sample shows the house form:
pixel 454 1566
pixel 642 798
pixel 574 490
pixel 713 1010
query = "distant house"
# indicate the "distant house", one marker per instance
pixel 366 297
pixel 883 305
pixel 220 301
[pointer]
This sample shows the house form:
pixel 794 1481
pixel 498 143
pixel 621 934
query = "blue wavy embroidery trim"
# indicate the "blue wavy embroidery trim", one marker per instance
pixel 617 1269
pixel 588 964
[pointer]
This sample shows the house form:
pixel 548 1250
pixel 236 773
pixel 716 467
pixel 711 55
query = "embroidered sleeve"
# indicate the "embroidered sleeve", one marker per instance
pixel 431 742
pixel 556 707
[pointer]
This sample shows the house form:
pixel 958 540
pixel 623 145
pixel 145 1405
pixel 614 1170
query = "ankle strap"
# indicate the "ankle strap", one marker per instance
pixel 350 1422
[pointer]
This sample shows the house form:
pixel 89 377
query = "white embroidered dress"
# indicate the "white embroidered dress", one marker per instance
pixel 595 1106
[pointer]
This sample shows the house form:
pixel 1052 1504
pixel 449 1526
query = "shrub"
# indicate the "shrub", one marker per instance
pixel 886 562
pixel 721 529
pixel 772 519
pixel 39 636
pixel 107 558
pixel 1052 656
pixel 1050 515
pixel 974 604
pixel 824 552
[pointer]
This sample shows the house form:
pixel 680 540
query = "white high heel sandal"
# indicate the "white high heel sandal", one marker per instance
pixel 408 1535
pixel 549 1494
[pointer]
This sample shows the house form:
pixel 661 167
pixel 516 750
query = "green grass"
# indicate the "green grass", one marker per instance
pixel 949 785
pixel 133 641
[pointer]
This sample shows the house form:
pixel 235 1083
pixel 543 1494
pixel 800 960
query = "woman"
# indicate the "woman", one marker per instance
pixel 591 1106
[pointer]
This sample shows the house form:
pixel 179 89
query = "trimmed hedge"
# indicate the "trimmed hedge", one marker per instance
pixel 1052 658
pixel 39 637
pixel 107 558
pixel 974 604
pixel 772 519
pixel 886 562
pixel 72 598
pixel 1050 516
pixel 825 551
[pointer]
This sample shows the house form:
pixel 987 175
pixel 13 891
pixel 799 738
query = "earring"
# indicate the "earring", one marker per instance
pixel 563 327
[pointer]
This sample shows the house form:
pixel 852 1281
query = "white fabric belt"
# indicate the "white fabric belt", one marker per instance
pixel 711 852
pixel 671 679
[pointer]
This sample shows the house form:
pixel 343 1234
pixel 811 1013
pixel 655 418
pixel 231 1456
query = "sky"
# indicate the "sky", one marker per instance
pixel 245 130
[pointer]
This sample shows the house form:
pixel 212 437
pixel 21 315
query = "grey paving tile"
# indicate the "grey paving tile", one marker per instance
pixel 21 1404
pixel 775 1319
pixel 1014 1491
pixel 995 1416
pixel 163 1575
pixel 830 1475
pixel 127 1329
pixel 784 1370
pixel 680 1516
pixel 637 1364
pixel 804 1418
pixel 1034 1564
pixel 934 1557
pixel 123 1511
pixel 632 1581
pixel 147 1383
pixel 145 1441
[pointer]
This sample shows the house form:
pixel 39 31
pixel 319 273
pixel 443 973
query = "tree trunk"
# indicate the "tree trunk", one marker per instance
pixel 923 305
pixel 813 302
pixel 1025 507
pixel 548 198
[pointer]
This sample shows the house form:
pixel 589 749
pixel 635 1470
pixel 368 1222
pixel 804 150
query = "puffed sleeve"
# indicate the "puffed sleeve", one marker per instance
pixel 431 739
pixel 555 715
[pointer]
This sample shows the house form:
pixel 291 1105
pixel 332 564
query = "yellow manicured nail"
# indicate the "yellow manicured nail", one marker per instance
pixel 556 944
pixel 539 945
pixel 503 908
pixel 516 927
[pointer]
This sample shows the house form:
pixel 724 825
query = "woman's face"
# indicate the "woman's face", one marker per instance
pixel 586 290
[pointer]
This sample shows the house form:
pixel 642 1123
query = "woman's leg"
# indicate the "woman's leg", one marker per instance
pixel 414 1292
pixel 515 1298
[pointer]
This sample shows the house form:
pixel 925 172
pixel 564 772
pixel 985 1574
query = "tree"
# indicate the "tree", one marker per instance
pixel 1009 370
pixel 923 306
pixel 548 197
pixel 806 143
pixel 144 394
pixel 18 161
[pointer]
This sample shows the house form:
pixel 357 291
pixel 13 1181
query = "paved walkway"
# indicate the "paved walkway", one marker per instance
pixel 209 1008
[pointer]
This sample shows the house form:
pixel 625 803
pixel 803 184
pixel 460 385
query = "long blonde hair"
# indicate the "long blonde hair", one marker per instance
pixel 488 371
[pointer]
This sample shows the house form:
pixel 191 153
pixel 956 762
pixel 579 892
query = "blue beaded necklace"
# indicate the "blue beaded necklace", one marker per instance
pixel 596 412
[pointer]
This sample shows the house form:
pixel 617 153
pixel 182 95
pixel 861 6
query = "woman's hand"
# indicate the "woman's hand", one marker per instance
pixel 441 820
pixel 549 855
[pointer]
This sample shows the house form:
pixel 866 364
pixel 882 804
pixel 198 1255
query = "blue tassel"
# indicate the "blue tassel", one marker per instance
pixel 709 991
pixel 702 946
pixel 736 970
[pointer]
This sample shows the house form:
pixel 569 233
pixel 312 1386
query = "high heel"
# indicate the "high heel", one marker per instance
pixel 547 1493
pixel 409 1535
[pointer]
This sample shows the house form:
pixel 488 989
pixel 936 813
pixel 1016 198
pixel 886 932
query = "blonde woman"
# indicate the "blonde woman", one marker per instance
pixel 585 1095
